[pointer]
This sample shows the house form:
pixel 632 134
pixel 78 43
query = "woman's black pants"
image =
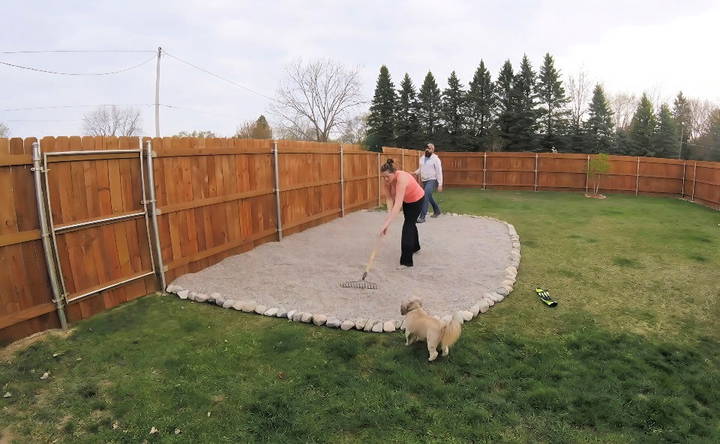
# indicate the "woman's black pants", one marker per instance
pixel 410 242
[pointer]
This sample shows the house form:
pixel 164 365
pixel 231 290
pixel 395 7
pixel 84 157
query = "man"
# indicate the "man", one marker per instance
pixel 430 173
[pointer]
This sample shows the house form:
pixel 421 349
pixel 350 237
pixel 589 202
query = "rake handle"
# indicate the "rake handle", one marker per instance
pixel 372 257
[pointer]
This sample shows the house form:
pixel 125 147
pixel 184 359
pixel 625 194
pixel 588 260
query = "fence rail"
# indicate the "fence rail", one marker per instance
pixel 121 229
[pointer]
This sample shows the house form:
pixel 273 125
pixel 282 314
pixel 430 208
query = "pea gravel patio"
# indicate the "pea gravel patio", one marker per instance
pixel 467 264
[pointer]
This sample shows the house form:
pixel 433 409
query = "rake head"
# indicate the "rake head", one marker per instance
pixel 363 285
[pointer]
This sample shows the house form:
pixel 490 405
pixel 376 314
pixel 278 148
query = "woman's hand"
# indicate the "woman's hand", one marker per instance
pixel 384 229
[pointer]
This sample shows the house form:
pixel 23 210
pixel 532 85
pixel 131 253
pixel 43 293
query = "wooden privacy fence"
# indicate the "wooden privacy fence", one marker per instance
pixel 118 222
pixel 89 223
pixel 696 180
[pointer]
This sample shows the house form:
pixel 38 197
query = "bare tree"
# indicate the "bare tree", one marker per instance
pixel 318 95
pixel 700 111
pixel 297 132
pixel 196 134
pixel 579 91
pixel 112 121
pixel 4 130
pixel 623 106
pixel 354 130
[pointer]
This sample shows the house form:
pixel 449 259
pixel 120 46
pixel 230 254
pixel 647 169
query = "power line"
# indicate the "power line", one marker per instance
pixel 105 105
pixel 181 108
pixel 36 108
pixel 29 68
pixel 232 82
pixel 79 51
pixel 43 120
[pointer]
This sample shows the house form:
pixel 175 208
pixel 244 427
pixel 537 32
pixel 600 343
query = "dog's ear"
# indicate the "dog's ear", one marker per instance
pixel 409 306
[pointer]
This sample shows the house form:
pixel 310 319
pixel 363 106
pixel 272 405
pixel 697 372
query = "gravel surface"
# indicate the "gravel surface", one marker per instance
pixel 462 258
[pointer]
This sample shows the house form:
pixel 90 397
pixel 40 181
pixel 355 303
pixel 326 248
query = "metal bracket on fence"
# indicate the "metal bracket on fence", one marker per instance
pixel 692 197
pixel 682 189
pixel 342 183
pixel 637 176
pixel 278 209
pixel 587 174
pixel 379 184
pixel 151 200
pixel 484 168
pixel 58 296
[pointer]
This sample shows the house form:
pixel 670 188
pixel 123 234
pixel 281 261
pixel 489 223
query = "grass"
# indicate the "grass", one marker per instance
pixel 631 354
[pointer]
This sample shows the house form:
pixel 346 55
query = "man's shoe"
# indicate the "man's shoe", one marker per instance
pixel 421 220
pixel 436 214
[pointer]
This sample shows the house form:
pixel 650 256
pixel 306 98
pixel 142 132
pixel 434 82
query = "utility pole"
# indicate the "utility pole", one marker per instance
pixel 157 94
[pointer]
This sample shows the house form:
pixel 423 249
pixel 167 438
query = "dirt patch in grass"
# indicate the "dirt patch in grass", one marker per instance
pixel 8 352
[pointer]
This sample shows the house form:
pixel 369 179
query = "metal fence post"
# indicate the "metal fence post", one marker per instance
pixel 536 172
pixel 157 257
pixel 587 174
pixel 378 173
pixel 342 183
pixel 682 190
pixel 276 167
pixel 52 266
pixel 692 197
pixel 484 168
pixel 637 176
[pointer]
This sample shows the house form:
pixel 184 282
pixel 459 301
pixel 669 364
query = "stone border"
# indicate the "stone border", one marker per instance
pixel 483 304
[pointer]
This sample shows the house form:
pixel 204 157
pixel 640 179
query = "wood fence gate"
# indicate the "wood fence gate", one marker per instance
pixel 98 224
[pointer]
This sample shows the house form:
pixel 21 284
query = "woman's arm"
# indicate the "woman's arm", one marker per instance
pixel 389 200
pixel 400 187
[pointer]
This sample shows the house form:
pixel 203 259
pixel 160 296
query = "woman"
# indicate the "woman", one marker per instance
pixel 403 191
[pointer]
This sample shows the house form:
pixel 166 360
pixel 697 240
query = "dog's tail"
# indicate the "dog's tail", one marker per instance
pixel 451 331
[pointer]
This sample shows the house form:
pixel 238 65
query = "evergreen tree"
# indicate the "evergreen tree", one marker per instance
pixel 552 114
pixel 480 109
pixel 505 103
pixel 667 137
pixel 642 129
pixel 453 115
pixel 262 129
pixel 523 117
pixel 683 116
pixel 429 109
pixel 381 120
pixel 599 126
pixel 407 127
pixel 622 142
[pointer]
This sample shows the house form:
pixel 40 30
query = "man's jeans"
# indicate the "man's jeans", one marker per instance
pixel 429 186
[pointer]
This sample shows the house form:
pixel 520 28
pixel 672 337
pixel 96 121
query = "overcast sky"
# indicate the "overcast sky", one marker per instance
pixel 628 46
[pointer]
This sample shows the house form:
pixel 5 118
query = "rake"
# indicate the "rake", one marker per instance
pixel 362 283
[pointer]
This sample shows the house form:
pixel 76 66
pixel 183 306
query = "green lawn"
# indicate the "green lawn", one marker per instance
pixel 631 354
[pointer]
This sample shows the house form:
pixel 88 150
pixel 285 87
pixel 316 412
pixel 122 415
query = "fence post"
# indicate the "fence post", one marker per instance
pixel 692 197
pixel 682 190
pixel 536 172
pixel 58 297
pixel 378 173
pixel 278 210
pixel 157 257
pixel 637 176
pixel 484 167
pixel 587 174
pixel 342 183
